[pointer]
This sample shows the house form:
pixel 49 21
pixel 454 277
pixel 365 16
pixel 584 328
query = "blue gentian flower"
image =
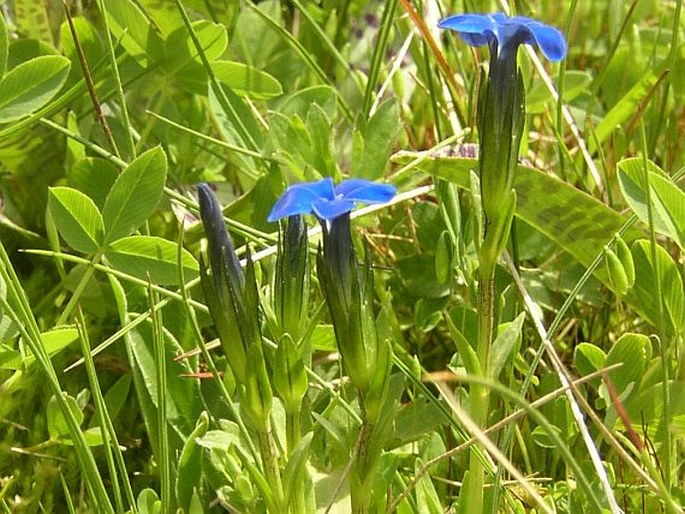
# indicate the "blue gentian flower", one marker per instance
pixel 327 201
pixel 507 33
pixel 501 112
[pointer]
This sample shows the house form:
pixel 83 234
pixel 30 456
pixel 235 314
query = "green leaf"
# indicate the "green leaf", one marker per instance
pixel 643 296
pixel 54 341
pixel 4 46
pixel 236 120
pixel 668 201
pixel 507 340
pixel 379 135
pixel 150 256
pixel 465 350
pixel 323 338
pixel 182 407
pixel 163 14
pixel 297 466
pixel 115 398
pixel 427 499
pixel 587 359
pixel 148 502
pixel 542 438
pixel 137 35
pixel 633 352
pixel 88 39
pixel 32 20
pixel 189 476
pixel 31 85
pixel 575 221
pixel 299 102
pixel 93 176
pixel 575 83
pixel 244 80
pixel 57 425
pixel 135 194
pixel 645 410
pixel 179 48
pixel 77 218
pixel 625 108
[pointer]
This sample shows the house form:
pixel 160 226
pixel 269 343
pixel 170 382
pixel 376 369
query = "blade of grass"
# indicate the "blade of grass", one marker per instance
pixel 210 139
pixel 671 65
pixel 536 314
pixel 329 45
pixel 125 119
pixel 163 461
pixel 17 307
pixel 304 55
pixel 109 435
pixel 508 420
pixel 378 56
pixel 664 345
pixel 473 429
pixel 100 411
pixel 215 85
pixel 439 57
pixel 67 495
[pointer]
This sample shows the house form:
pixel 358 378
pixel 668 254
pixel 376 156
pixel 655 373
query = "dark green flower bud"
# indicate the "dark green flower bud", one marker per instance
pixel 232 298
pixel 291 288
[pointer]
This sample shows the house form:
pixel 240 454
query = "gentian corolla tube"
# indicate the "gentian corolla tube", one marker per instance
pixel 507 33
pixel 327 201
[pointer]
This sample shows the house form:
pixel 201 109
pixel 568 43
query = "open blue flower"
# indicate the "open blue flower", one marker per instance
pixel 508 33
pixel 327 201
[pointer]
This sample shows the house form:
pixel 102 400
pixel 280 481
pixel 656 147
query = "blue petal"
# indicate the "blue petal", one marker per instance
pixel 481 29
pixel 550 40
pixel 326 210
pixel 365 191
pixel 300 198
pixel 474 29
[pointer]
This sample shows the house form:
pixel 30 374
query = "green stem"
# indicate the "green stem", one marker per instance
pixel 293 429
pixel 361 492
pixel 270 461
pixel 80 288
pixel 480 394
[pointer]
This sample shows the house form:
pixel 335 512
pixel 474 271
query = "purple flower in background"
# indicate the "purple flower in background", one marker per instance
pixel 327 201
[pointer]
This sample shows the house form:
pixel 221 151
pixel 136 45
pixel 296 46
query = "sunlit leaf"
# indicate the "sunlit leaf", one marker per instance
pixel 644 295
pixel 577 222
pixel 29 86
pixel 633 352
pixel 77 218
pixel 150 257
pixel 138 36
pixel 668 201
pixel 135 194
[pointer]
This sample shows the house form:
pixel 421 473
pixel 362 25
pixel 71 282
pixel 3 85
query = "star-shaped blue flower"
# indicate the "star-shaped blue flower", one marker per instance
pixel 327 201
pixel 508 33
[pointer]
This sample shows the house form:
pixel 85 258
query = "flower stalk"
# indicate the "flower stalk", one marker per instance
pixel 348 292
pixel 233 301
pixel 501 119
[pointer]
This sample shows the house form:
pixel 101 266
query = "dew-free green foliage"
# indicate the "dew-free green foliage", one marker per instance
pixel 115 393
